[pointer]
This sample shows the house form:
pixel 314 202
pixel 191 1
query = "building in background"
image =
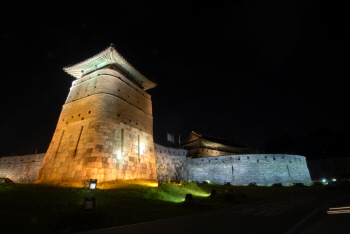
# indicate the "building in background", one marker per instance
pixel 200 145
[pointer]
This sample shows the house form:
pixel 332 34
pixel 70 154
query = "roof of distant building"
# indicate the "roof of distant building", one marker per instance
pixel 198 140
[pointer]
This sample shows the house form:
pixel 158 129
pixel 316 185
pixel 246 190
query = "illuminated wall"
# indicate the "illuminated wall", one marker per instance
pixel 249 168
pixel 104 132
pixel 21 168
pixel 171 163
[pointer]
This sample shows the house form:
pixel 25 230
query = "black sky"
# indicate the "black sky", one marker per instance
pixel 248 70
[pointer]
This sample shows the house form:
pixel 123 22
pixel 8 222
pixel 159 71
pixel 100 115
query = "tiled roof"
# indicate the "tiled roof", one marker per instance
pixel 108 56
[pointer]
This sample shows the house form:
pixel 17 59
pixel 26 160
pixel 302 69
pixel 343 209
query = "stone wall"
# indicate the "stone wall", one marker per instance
pixel 21 168
pixel 249 168
pixel 174 164
pixel 171 163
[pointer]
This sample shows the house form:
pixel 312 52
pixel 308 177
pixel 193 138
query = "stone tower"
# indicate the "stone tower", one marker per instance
pixel 105 130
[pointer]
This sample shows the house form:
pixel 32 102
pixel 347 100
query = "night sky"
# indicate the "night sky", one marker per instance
pixel 249 71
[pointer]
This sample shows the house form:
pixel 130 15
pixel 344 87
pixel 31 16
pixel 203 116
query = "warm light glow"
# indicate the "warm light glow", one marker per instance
pixel 142 147
pixel 323 180
pixel 154 185
pixel 119 154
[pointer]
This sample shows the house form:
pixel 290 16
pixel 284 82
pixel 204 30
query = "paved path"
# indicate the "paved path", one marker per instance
pixel 271 216
pixel 335 220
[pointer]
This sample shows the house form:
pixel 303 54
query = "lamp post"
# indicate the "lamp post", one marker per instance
pixel 90 201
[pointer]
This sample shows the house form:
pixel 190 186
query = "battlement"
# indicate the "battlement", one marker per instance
pixel 23 168
pixel 23 159
pixel 250 158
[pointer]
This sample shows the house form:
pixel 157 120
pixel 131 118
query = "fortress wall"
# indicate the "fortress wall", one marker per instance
pixel 21 168
pixel 249 168
pixel 171 163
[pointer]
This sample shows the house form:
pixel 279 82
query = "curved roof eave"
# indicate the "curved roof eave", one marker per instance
pixel 108 56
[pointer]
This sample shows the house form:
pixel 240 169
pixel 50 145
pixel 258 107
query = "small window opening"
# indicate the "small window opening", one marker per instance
pixel 118 90
pixel 137 123
pixel 95 87
pixel 66 122
pixel 118 115
pixel 89 112
pixel 78 115
pixel 129 120
pixel 72 117
pixel 82 118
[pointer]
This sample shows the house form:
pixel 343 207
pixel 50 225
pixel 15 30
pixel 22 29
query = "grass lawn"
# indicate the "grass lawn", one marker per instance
pixel 38 208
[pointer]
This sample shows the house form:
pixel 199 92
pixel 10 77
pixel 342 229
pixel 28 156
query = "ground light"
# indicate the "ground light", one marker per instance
pixel 89 203
pixel 93 183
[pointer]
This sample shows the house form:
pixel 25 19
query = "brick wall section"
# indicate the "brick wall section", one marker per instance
pixel 171 163
pixel 249 168
pixel 104 132
pixel 21 168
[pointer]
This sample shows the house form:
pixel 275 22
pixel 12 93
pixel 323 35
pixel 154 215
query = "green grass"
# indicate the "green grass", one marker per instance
pixel 38 208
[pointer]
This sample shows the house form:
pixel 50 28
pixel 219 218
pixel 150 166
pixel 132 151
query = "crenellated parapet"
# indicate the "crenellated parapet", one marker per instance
pixel 250 158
